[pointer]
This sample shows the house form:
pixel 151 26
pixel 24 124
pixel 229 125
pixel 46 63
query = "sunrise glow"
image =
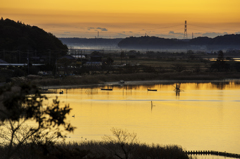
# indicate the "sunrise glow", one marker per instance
pixel 77 18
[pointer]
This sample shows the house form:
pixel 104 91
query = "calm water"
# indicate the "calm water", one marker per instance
pixel 203 116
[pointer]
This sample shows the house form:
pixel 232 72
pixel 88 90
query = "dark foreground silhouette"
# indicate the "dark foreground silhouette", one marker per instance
pixel 97 150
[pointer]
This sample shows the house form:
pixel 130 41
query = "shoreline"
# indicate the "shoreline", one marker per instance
pixel 134 83
pixel 100 80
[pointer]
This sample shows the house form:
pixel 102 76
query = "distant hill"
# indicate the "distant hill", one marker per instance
pixel 91 42
pixel 220 42
pixel 19 36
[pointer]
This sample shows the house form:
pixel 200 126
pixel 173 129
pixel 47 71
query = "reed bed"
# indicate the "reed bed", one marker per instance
pixel 97 150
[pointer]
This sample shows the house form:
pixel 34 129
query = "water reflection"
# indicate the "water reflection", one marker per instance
pixel 204 116
pixel 220 85
pixel 91 91
pixel 177 89
pixel 152 105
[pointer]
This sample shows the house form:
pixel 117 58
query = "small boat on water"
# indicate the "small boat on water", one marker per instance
pixel 121 81
pixel 151 89
pixel 106 89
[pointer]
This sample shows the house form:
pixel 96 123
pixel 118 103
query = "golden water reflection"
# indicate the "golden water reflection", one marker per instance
pixel 203 116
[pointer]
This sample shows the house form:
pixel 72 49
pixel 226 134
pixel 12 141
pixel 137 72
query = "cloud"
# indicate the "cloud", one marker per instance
pixel 170 35
pixel 198 33
pixel 102 29
pixel 126 34
pixel 98 28
pixel 121 34
pixel 67 32
pixel 173 33
pixel 90 28
pixel 213 34
pixel 237 32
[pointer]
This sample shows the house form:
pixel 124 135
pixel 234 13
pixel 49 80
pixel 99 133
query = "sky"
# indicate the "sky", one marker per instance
pixel 123 18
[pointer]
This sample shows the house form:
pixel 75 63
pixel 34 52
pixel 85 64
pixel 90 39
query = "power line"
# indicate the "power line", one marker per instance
pixel 202 26
pixel 213 28
pixel 171 26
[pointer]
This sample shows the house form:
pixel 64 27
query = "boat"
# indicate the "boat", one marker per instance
pixel 106 89
pixel 121 81
pixel 151 89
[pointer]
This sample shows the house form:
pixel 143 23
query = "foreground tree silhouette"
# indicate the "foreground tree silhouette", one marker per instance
pixel 24 118
pixel 124 141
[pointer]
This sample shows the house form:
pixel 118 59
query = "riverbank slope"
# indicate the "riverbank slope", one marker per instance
pixel 140 77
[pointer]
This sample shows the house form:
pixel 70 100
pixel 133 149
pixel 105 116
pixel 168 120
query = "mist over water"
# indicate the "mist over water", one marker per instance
pixel 88 49
pixel 202 116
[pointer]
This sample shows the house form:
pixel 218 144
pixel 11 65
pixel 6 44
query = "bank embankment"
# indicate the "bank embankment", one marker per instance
pixel 101 79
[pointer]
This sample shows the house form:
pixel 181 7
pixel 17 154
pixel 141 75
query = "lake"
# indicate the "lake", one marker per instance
pixel 202 116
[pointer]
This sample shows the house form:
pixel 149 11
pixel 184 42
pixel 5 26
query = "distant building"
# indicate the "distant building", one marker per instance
pixel 79 56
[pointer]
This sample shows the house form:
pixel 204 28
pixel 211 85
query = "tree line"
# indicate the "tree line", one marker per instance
pixel 22 37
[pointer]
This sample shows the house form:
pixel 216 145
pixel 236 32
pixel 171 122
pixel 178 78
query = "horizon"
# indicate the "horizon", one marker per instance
pixel 120 19
pixel 142 36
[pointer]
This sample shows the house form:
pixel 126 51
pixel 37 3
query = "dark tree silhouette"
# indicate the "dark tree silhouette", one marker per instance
pixel 21 37
pixel 22 105
pixel 220 64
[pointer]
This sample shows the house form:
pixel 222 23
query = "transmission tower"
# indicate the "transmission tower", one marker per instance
pixel 185 30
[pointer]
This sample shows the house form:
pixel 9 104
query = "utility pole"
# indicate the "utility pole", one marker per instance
pixel 28 61
pixel 121 55
pixel 126 59
pixel 185 30
pixel 49 57
pixel 81 59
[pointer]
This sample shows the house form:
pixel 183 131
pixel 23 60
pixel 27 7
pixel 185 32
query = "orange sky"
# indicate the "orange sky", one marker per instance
pixel 164 18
